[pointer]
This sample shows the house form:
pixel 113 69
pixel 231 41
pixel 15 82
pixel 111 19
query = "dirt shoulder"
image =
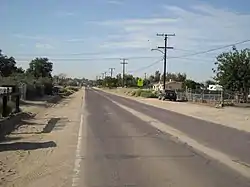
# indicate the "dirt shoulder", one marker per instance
pixel 238 118
pixel 41 151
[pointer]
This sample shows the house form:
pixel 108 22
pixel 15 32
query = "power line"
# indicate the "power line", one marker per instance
pixel 57 54
pixel 89 59
pixel 146 67
pixel 211 50
pixel 193 54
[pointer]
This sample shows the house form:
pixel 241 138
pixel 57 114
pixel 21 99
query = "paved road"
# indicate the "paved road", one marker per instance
pixel 228 140
pixel 119 149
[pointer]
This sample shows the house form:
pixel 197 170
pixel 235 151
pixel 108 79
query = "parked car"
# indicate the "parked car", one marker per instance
pixel 168 94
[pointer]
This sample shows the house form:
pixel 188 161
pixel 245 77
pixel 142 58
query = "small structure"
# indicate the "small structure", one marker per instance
pixel 215 87
pixel 171 85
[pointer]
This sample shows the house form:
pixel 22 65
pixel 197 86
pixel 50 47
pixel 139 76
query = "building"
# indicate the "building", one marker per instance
pixel 215 87
pixel 171 85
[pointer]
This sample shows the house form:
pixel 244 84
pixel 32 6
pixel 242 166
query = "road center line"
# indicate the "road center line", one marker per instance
pixel 216 155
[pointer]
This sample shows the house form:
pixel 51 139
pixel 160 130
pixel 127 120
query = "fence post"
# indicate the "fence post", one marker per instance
pixel 222 97
pixel 17 103
pixel 5 100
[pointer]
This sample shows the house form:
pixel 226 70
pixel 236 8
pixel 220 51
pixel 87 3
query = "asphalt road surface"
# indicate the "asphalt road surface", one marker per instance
pixel 119 149
pixel 231 141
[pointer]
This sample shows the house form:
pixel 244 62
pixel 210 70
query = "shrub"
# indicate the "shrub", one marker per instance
pixel 148 94
pixel 66 92
pixel 73 88
pixel 47 85
pixel 132 93
pixel 138 93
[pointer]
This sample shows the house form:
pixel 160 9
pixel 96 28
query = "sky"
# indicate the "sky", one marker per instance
pixel 85 38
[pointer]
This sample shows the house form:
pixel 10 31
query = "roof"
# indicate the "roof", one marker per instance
pixel 168 83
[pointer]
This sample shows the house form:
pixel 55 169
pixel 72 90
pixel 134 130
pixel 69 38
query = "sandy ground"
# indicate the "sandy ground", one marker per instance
pixel 41 152
pixel 238 118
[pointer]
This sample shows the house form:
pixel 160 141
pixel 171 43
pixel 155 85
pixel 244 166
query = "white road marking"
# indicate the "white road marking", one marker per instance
pixel 75 178
pixel 215 154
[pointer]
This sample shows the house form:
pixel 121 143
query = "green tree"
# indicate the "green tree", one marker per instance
pixel 210 82
pixel 191 84
pixel 233 71
pixel 20 70
pixel 119 80
pixel 110 82
pixel 179 77
pixel 130 81
pixel 40 67
pixel 151 79
pixel 157 76
pixel 7 65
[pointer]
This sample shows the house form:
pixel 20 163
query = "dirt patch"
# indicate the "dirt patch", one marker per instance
pixel 41 151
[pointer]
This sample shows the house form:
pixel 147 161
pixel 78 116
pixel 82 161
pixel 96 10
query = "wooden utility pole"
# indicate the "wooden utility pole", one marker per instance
pixel 111 71
pixel 166 47
pixel 124 63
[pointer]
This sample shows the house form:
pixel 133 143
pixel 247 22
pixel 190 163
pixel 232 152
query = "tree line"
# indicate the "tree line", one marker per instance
pixel 38 76
pixel 231 71
pixel 131 81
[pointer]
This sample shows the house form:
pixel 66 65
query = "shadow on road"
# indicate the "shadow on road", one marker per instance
pixel 26 146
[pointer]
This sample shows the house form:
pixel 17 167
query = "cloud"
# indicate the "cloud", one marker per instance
pixel 64 14
pixel 196 27
pixel 136 22
pixel 76 40
pixel 22 45
pixel 115 2
pixel 29 37
pixel 43 46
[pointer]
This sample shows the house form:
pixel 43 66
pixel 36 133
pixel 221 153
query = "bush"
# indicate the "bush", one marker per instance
pixel 132 93
pixel 73 88
pixel 138 93
pixel 66 92
pixel 148 94
pixel 47 84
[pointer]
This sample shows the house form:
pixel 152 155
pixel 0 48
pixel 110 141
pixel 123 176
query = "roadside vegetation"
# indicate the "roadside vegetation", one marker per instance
pixel 231 71
pixel 142 93
pixel 37 79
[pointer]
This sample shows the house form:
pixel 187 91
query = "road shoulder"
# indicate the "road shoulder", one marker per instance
pixel 231 117
pixel 41 151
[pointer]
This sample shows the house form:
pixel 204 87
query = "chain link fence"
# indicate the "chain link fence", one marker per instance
pixel 209 97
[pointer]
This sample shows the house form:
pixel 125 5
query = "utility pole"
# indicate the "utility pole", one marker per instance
pixel 111 71
pixel 145 76
pixel 124 63
pixel 166 47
